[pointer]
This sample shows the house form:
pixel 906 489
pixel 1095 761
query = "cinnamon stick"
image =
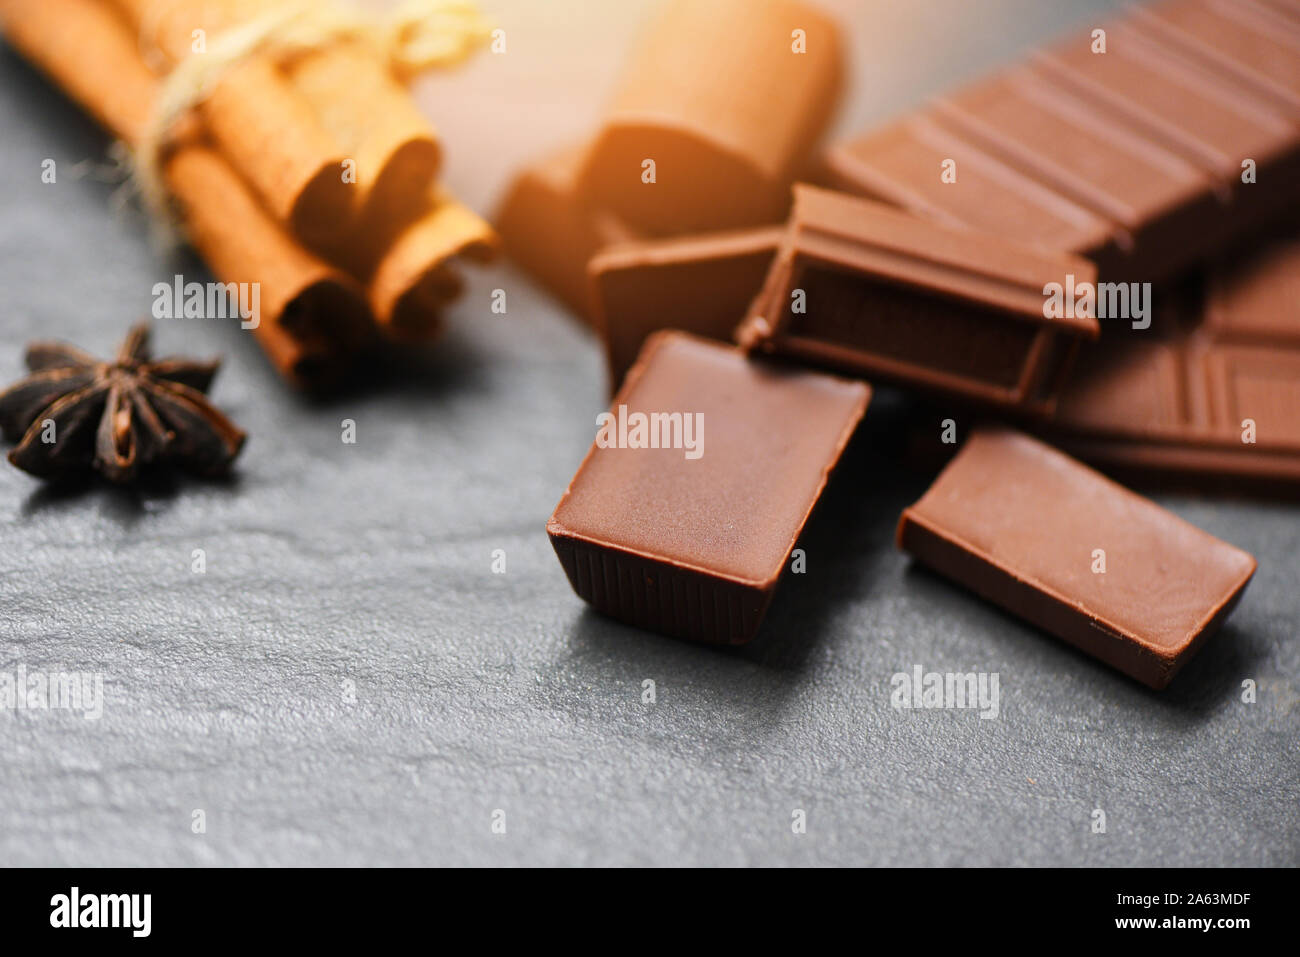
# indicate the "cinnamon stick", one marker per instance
pixel 304 300
pixel 375 125
pixel 97 64
pixel 413 279
pixel 267 127
pixel 314 316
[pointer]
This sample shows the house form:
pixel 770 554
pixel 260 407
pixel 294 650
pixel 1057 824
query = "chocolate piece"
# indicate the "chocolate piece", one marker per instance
pixel 693 547
pixel 862 287
pixel 1213 123
pixel 1163 205
pixel 728 98
pixel 1244 48
pixel 551 228
pixel 702 283
pixel 1288 9
pixel 1054 542
pixel 1221 398
pixel 1131 157
pixel 903 164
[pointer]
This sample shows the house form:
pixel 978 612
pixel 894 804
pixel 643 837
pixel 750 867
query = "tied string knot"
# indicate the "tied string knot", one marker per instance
pixel 412 37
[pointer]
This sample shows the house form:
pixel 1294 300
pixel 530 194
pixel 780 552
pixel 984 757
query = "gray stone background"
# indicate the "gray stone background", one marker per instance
pixel 371 564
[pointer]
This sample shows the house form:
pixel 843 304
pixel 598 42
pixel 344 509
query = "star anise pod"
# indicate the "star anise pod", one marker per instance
pixel 74 413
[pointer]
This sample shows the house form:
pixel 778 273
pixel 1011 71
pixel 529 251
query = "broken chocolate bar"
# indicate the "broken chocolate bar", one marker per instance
pixel 1162 204
pixel 1060 545
pixel 1216 398
pixel 683 515
pixel 701 283
pixel 867 289
pixel 1234 42
pixel 921 167
pixel 1135 145
pixel 1213 123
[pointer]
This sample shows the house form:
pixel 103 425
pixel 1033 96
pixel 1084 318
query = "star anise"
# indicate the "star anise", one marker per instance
pixel 74 413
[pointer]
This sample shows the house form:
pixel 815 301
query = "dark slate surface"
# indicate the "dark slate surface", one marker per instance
pixel 368 566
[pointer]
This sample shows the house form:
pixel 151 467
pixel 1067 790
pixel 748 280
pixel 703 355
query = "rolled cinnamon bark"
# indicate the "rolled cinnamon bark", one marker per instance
pixel 726 97
pixel 305 302
pixel 375 125
pixel 313 316
pixel 268 128
pixel 413 279
pixel 96 63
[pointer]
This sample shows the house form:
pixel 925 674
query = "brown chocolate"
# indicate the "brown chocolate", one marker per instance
pixel 1081 557
pixel 1213 123
pixel 904 164
pixel 693 547
pixel 1288 9
pixel 701 283
pixel 1163 205
pixel 551 228
pixel 868 289
pixel 1218 398
pixel 728 99
pixel 1231 39
pixel 1132 157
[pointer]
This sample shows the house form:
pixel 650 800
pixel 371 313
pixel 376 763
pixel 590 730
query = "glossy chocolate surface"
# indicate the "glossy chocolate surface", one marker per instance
pixel 693 547
pixel 1082 557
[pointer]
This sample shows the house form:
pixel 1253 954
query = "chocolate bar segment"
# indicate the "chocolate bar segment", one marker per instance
pixel 701 283
pixel 867 289
pixel 692 545
pixel 1215 397
pixel 551 228
pixel 1213 123
pixel 1164 205
pixel 1081 557
pixel 904 164
pixel 1243 48
pixel 726 99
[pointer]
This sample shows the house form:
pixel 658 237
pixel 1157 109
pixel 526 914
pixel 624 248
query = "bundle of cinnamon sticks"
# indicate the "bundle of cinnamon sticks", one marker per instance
pixel 314 176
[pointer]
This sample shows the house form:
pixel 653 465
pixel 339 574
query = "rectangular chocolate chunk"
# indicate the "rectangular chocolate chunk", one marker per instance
pixel 1081 557
pixel 919 166
pixel 701 283
pixel 1217 396
pixel 1163 204
pixel 551 227
pixel 683 515
pixel 864 288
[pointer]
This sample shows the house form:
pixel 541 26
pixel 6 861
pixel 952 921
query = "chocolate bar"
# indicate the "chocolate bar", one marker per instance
pixel 719 110
pixel 1081 557
pixel 1288 9
pixel 702 283
pixel 1219 397
pixel 684 525
pixel 1132 157
pixel 1162 204
pixel 864 288
pixel 1213 123
pixel 903 164
pixel 551 229
pixel 1232 40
